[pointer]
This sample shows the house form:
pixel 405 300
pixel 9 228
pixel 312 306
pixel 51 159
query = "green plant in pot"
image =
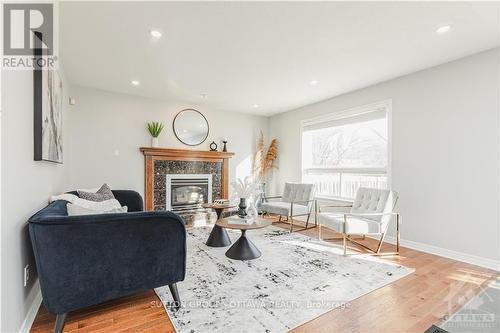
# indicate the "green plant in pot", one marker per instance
pixel 154 128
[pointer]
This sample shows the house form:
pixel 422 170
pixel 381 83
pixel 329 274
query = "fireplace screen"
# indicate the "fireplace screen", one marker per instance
pixel 187 193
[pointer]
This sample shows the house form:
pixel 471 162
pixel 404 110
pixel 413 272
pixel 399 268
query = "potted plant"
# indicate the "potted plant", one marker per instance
pixel 154 129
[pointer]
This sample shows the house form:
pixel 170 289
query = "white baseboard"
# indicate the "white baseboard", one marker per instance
pixel 33 310
pixel 455 255
pixel 439 251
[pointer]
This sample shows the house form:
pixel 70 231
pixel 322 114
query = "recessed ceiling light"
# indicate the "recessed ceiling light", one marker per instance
pixel 155 33
pixel 135 83
pixel 443 29
pixel 313 82
pixel 203 95
pixel 256 105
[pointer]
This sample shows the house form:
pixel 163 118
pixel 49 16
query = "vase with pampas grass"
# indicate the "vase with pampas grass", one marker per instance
pixel 244 191
pixel 264 162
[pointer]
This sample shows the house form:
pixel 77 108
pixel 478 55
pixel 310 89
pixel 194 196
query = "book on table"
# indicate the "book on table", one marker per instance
pixel 221 202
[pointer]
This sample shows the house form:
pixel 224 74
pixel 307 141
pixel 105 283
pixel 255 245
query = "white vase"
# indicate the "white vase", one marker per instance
pixel 252 210
pixel 154 142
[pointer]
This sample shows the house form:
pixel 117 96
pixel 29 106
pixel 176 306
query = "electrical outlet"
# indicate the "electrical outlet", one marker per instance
pixel 26 275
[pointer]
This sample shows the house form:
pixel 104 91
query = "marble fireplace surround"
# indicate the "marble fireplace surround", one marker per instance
pixel 159 162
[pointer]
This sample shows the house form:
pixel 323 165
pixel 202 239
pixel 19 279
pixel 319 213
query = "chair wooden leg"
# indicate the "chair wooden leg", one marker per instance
pixel 344 243
pixel 279 221
pixel 291 223
pixel 380 244
pixel 398 235
pixel 315 213
pixel 307 221
pixel 319 232
pixel 59 325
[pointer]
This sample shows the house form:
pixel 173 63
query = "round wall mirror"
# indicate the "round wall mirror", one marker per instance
pixel 191 127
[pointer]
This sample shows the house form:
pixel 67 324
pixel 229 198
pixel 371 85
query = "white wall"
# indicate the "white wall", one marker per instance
pixel 445 151
pixel 26 186
pixel 104 123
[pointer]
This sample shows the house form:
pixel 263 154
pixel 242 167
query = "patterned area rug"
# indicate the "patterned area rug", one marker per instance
pixel 296 279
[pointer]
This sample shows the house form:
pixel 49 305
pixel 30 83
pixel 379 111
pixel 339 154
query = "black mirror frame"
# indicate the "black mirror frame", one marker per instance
pixel 206 120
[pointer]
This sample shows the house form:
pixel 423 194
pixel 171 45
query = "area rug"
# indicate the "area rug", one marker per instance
pixel 296 279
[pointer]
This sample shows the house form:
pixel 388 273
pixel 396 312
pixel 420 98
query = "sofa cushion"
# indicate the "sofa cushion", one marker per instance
pixel 79 210
pixel 104 193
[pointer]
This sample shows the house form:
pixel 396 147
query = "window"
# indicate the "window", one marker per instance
pixel 344 151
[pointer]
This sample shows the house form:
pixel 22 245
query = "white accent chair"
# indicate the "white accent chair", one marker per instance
pixel 297 200
pixel 370 214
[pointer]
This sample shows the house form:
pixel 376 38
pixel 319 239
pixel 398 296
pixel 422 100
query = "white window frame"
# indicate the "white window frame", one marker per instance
pixel 348 113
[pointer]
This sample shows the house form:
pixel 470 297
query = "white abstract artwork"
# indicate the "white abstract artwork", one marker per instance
pixel 48 116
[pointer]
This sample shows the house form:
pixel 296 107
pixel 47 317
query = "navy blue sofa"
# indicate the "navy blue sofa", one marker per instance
pixel 85 260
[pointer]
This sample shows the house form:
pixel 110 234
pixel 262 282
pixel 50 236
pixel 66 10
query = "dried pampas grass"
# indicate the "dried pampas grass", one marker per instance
pixel 264 161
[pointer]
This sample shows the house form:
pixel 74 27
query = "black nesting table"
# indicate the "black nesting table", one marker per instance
pixel 218 237
pixel 243 248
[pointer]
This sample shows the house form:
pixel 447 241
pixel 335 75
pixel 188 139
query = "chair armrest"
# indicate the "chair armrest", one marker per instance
pixel 302 201
pixel 369 214
pixel 273 197
pixel 320 207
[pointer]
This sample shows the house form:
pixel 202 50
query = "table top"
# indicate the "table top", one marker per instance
pixel 218 206
pixel 258 224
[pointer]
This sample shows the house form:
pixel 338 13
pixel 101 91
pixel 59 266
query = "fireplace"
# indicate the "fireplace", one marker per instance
pixel 160 163
pixel 186 193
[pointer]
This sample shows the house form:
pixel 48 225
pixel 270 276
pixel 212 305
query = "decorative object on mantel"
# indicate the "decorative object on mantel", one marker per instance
pixel 191 127
pixel 47 87
pixel 224 141
pixel 263 163
pixel 213 146
pixel 154 129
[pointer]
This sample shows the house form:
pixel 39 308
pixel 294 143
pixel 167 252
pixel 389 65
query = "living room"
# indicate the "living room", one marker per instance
pixel 250 167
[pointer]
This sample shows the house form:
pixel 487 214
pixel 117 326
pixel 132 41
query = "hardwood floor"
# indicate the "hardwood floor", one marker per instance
pixel 438 287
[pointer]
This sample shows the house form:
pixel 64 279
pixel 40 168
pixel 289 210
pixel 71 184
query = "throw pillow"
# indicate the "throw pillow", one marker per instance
pixel 104 193
pixel 79 210
pixel 97 205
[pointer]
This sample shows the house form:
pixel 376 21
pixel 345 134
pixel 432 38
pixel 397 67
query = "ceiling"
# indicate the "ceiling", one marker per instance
pixel 267 53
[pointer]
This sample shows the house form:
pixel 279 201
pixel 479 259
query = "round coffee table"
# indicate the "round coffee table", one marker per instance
pixel 218 236
pixel 243 248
